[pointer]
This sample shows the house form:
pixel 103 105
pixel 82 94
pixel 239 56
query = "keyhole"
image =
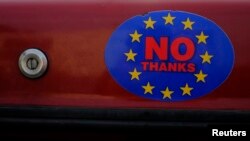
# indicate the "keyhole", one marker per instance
pixel 32 63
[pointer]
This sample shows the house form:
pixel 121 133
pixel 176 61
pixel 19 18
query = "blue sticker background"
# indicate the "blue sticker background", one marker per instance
pixel 172 84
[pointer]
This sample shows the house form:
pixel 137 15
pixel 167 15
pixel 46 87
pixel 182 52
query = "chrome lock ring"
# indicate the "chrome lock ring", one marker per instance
pixel 33 63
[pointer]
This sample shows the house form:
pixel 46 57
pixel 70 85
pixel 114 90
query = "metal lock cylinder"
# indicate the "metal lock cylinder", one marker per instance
pixel 33 63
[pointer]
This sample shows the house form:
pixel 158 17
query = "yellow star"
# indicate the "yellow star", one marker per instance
pixel 130 55
pixel 135 74
pixel 135 36
pixel 167 93
pixel 202 38
pixel 206 58
pixel 188 24
pixel 149 23
pixel 169 19
pixel 186 90
pixel 200 76
pixel 148 88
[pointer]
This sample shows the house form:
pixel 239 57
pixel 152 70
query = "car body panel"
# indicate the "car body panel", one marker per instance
pixel 74 35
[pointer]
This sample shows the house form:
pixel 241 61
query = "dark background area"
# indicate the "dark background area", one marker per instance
pixel 115 124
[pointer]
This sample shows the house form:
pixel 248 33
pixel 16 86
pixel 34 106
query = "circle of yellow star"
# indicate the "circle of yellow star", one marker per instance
pixel 130 55
pixel 135 36
pixel 167 93
pixel 202 38
pixel 186 90
pixel 148 88
pixel 206 58
pixel 188 24
pixel 169 19
pixel 149 23
pixel 200 76
pixel 135 74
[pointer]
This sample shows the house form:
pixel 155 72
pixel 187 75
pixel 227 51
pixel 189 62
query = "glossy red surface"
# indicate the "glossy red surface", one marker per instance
pixel 74 36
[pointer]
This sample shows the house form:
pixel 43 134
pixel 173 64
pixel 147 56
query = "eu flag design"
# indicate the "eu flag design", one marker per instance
pixel 169 56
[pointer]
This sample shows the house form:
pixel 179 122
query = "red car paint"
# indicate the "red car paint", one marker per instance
pixel 74 35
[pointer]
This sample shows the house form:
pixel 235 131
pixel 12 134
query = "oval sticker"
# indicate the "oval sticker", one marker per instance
pixel 169 56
